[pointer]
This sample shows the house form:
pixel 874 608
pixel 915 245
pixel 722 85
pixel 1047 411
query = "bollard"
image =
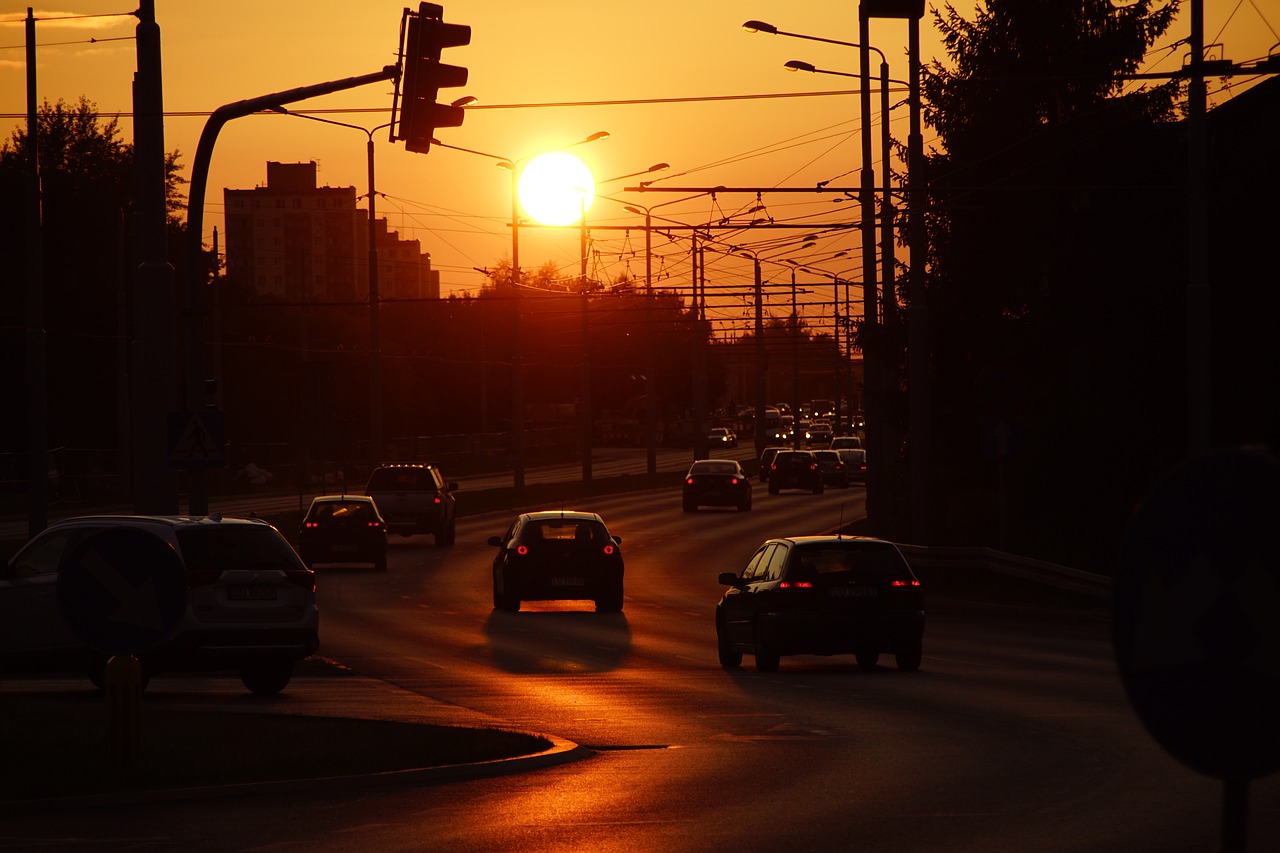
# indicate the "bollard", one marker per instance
pixel 124 699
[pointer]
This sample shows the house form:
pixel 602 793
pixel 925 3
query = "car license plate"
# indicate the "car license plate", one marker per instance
pixel 853 591
pixel 251 592
pixel 567 582
pixel 343 549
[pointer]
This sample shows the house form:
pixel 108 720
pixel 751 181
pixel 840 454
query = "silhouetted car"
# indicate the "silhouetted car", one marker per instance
pixel 557 556
pixel 247 601
pixel 820 433
pixel 834 472
pixel 795 469
pixel 855 462
pixel 846 442
pixel 716 482
pixel 766 459
pixel 822 595
pixel 343 529
pixel 722 437
pixel 415 498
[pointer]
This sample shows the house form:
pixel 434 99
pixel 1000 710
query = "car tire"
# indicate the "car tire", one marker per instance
pixel 267 679
pixel 690 506
pixel 817 490
pixel 611 603
pixel 774 488
pixel 380 564
pixel 744 506
pixel 767 658
pixel 730 658
pixel 909 661
pixel 867 660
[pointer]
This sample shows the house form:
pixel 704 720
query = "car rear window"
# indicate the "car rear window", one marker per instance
pixel 400 480
pixel 714 468
pixel 870 563
pixel 565 531
pixel 341 511
pixel 210 551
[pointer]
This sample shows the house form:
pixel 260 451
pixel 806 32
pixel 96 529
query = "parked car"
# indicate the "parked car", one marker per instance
pixel 766 459
pixel 241 599
pixel 833 468
pixel 822 595
pixel 846 442
pixel 795 469
pixel 415 498
pixel 343 529
pixel 855 463
pixel 558 556
pixel 722 437
pixel 716 482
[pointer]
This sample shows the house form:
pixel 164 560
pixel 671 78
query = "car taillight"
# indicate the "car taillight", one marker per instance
pixel 733 481
pixel 795 585
pixel 438 501
pixel 311 524
pixel 608 550
pixel 375 524
pixel 689 481
pixel 813 467
pixel 522 549
pixel 305 579
pixel 912 582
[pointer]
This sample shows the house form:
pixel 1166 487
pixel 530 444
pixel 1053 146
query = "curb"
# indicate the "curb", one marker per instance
pixel 561 752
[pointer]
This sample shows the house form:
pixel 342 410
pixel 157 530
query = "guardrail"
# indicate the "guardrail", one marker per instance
pixel 946 560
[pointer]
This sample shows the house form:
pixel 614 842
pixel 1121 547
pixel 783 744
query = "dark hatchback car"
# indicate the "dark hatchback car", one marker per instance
pixel 795 469
pixel 766 459
pixel 557 556
pixel 822 595
pixel 834 471
pixel 855 462
pixel 716 482
pixel 343 529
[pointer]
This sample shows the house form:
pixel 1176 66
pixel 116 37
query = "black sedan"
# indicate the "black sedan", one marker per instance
pixel 822 595
pixel 557 556
pixel 343 529
pixel 716 482
pixel 795 469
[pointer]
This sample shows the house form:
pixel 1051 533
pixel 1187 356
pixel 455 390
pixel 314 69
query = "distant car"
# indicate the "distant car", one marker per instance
pixel 846 442
pixel 716 482
pixel 855 463
pixel 415 498
pixel 795 469
pixel 834 472
pixel 820 433
pixel 722 437
pixel 343 529
pixel 766 459
pixel 250 602
pixel 822 595
pixel 558 556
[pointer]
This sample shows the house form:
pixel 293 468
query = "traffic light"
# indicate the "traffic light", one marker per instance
pixel 423 75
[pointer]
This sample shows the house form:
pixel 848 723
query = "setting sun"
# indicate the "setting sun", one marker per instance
pixel 556 188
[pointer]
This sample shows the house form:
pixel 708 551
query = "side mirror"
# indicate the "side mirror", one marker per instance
pixel 453 487
pixel 730 579
pixel 616 539
pixel 495 541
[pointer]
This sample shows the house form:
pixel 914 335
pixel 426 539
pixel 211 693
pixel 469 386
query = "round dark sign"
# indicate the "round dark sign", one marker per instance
pixel 1196 613
pixel 122 590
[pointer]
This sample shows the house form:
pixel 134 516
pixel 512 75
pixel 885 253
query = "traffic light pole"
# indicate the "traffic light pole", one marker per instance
pixel 198 496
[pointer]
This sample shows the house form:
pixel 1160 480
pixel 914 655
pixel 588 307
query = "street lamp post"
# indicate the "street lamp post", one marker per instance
pixel 375 352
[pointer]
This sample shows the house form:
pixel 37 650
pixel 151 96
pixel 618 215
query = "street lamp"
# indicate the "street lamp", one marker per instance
pixel 758 421
pixel 517 357
pixel 375 355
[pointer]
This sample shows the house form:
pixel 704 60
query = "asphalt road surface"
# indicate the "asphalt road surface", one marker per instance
pixel 1014 736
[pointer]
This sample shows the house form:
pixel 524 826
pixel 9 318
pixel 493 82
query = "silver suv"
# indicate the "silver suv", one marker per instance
pixel 184 594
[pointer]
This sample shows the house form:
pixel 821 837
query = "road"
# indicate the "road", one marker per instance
pixel 1015 735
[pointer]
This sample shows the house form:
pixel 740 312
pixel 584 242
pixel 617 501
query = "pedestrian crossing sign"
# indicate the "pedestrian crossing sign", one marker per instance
pixel 196 439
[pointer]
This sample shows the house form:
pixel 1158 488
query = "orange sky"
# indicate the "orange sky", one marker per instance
pixel 691 58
